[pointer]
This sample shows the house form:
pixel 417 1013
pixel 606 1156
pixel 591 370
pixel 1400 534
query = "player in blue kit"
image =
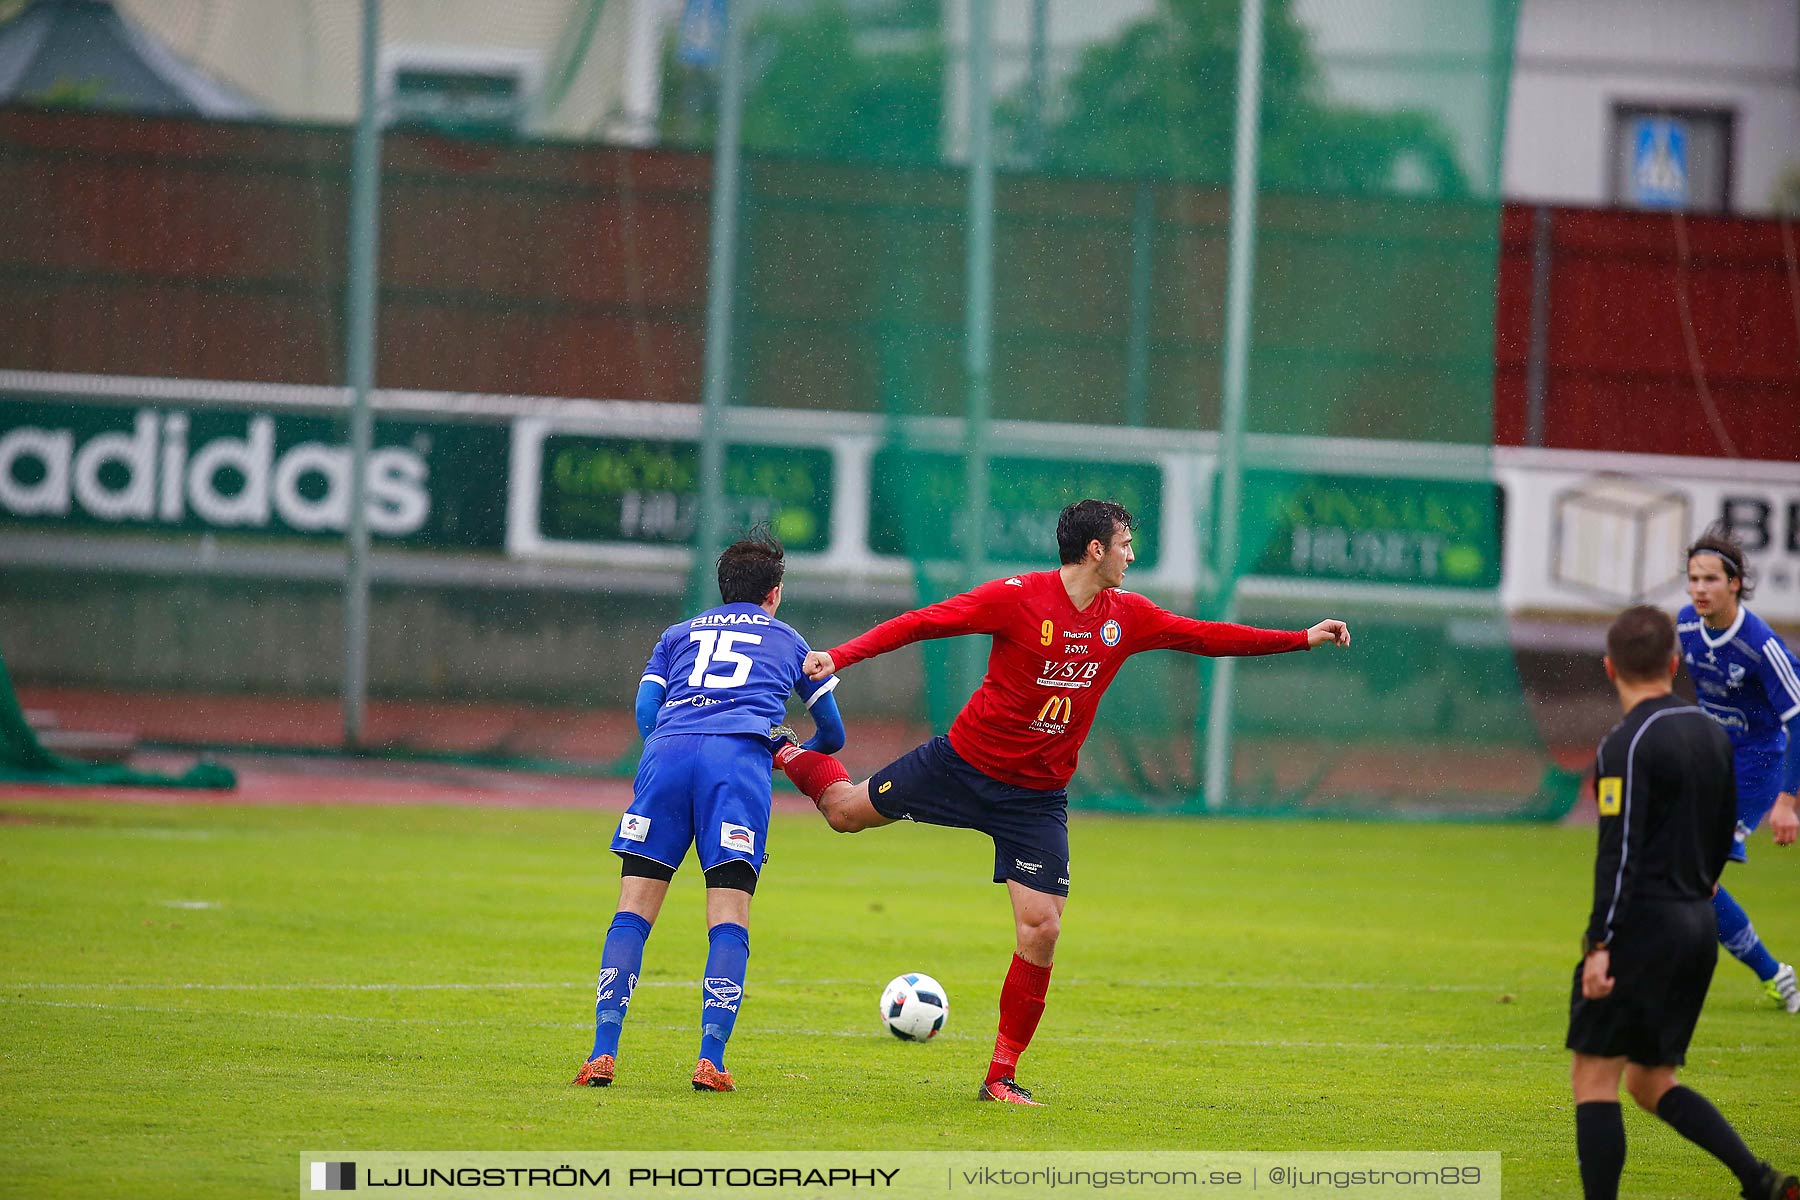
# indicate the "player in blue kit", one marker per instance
pixel 1746 679
pixel 710 707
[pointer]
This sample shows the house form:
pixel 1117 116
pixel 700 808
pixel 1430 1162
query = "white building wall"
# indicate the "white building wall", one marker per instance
pixel 600 60
pixel 1576 59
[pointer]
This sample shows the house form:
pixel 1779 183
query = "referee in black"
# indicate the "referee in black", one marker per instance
pixel 1668 805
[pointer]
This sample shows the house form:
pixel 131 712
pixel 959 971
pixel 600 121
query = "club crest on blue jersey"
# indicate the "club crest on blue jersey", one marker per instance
pixel 1744 677
pixel 1109 633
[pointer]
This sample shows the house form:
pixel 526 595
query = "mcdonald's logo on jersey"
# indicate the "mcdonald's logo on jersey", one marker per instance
pixel 1055 715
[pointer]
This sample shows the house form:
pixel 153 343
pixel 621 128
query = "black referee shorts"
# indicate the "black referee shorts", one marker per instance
pixel 938 786
pixel 1662 964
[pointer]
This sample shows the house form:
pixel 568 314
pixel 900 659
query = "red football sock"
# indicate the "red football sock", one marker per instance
pixel 811 771
pixel 1021 1004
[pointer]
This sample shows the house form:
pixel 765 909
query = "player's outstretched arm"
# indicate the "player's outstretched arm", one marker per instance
pixel 982 610
pixel 1331 632
pixel 1153 627
pixel 828 727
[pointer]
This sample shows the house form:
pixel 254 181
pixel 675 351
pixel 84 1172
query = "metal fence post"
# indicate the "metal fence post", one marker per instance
pixel 1537 350
pixel 365 218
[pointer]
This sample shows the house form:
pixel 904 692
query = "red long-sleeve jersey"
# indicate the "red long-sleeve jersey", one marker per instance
pixel 1050 664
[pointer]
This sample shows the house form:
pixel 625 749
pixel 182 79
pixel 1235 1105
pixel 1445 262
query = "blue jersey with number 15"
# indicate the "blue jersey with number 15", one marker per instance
pixel 729 670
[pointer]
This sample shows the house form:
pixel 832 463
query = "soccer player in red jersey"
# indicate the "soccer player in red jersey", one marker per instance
pixel 1059 638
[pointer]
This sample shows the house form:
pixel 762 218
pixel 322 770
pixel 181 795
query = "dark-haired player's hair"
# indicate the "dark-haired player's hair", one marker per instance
pixel 750 568
pixel 1718 540
pixel 1641 644
pixel 1088 521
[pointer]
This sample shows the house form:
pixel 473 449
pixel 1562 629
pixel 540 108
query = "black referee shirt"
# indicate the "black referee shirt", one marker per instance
pixel 1667 793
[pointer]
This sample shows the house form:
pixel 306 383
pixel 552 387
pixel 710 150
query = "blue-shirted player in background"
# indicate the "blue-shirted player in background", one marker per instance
pixel 710 706
pixel 1746 679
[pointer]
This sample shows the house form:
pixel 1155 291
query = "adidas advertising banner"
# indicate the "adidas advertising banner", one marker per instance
pixel 208 468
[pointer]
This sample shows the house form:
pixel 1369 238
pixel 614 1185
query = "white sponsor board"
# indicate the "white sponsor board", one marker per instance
pixel 1589 533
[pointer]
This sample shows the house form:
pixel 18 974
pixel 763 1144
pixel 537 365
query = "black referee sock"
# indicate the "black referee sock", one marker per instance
pixel 1692 1116
pixel 1600 1144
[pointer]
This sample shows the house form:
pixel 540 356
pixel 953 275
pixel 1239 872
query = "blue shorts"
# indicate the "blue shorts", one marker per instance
pixel 709 791
pixel 938 786
pixel 1758 783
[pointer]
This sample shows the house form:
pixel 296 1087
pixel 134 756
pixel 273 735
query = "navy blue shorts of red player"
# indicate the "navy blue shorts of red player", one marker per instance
pixel 936 785
pixel 727 817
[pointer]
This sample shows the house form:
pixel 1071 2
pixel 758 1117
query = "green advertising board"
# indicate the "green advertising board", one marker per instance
pixel 170 467
pixel 646 491
pixel 1427 532
pixel 1025 497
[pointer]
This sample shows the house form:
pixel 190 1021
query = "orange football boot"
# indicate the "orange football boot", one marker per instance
pixel 1007 1092
pixel 708 1078
pixel 596 1072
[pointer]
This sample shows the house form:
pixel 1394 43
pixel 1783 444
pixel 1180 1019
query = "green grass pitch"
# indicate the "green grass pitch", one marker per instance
pixel 194 995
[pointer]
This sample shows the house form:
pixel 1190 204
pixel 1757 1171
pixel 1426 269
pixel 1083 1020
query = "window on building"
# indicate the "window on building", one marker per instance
pixel 479 91
pixel 1672 158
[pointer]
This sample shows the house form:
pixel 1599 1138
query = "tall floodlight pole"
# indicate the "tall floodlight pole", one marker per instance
pixel 978 329
pixel 365 197
pixel 720 284
pixel 1239 291
pixel 1036 77
pixel 1137 338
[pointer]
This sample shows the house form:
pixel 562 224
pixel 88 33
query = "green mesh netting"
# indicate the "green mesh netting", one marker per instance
pixel 546 190
pixel 1365 490
pixel 23 759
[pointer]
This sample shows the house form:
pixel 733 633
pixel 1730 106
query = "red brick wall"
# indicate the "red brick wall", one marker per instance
pixel 189 249
pixel 1621 364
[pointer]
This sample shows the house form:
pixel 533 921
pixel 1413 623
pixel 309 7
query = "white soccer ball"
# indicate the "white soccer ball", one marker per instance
pixel 914 1008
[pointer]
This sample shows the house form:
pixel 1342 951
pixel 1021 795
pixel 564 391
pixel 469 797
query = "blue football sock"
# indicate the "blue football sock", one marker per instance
pixel 620 963
pixel 727 956
pixel 1737 935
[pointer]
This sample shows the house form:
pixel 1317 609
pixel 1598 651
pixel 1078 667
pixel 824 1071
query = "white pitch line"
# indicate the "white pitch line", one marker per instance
pixel 522 985
pixel 792 1031
pixel 346 1018
pixel 127 985
pixel 350 1018
pixel 1323 985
